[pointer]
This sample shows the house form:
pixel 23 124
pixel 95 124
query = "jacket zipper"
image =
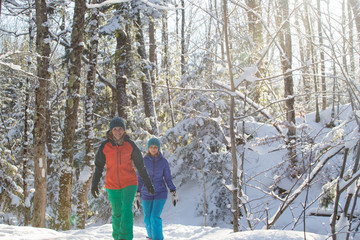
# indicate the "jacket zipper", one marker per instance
pixel 153 170
pixel 153 176
pixel 118 162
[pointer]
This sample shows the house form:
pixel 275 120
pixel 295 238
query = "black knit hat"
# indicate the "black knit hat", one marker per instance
pixel 117 122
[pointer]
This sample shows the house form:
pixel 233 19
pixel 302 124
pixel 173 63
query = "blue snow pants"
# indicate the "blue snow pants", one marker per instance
pixel 153 222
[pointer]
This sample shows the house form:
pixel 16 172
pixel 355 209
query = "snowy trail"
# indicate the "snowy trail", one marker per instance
pixel 171 232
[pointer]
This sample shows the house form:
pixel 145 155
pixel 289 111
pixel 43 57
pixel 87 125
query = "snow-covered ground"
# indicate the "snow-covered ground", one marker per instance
pixel 171 232
pixel 180 223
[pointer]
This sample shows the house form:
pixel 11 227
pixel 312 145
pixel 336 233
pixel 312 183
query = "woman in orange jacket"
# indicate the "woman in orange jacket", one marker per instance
pixel 120 154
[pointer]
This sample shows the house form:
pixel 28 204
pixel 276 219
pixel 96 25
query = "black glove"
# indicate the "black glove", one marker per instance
pixel 137 201
pixel 174 198
pixel 151 189
pixel 95 191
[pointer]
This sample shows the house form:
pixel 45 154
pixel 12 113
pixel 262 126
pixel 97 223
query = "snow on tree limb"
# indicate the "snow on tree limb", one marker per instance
pixel 16 68
pixel 305 183
pixel 249 101
pixel 259 108
pixel 247 75
pixel 108 2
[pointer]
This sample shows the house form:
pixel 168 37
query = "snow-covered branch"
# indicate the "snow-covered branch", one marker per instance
pixel 305 183
pixel 109 2
pixel 262 110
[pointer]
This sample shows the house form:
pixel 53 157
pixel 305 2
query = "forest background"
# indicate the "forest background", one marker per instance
pixel 194 73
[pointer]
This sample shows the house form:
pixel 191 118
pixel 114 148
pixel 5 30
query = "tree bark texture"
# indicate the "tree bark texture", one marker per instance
pixel 72 103
pixel 322 57
pixel 286 62
pixel 235 210
pixel 123 64
pixel 145 78
pixel 304 56
pixel 84 183
pixel 182 37
pixel 43 51
pixel 26 199
pixel 152 49
pixel 165 65
pixel 255 25
pixel 355 5
pixel 310 46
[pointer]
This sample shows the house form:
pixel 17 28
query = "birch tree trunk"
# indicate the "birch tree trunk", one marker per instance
pixel 43 51
pixel 88 170
pixel 72 103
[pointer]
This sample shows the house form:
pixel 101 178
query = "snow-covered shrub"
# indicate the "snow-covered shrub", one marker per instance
pixel 196 147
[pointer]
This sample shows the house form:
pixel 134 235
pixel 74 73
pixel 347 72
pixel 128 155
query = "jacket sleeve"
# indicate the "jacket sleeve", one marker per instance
pixel 140 183
pixel 100 161
pixel 138 160
pixel 167 177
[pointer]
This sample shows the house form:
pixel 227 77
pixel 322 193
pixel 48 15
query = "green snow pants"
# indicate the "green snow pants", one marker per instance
pixel 121 201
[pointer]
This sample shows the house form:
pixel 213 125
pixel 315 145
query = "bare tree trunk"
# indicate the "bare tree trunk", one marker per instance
pixel 309 32
pixel 351 216
pixel 27 210
pixel 344 29
pixel 123 67
pixel 208 58
pixel 183 49
pixel 43 51
pixel 72 103
pixel 350 38
pixel 152 48
pixel 255 25
pixel 26 156
pixel 355 5
pixel 332 123
pixel 145 78
pixel 202 172
pixel 256 31
pixel 322 57
pixel 350 194
pixel 165 63
pixel 337 197
pixel 235 210
pixel 304 56
pixel 219 29
pixel 88 169
pixel 286 61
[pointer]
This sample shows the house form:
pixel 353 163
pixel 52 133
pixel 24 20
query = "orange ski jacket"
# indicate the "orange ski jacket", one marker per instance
pixel 119 161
